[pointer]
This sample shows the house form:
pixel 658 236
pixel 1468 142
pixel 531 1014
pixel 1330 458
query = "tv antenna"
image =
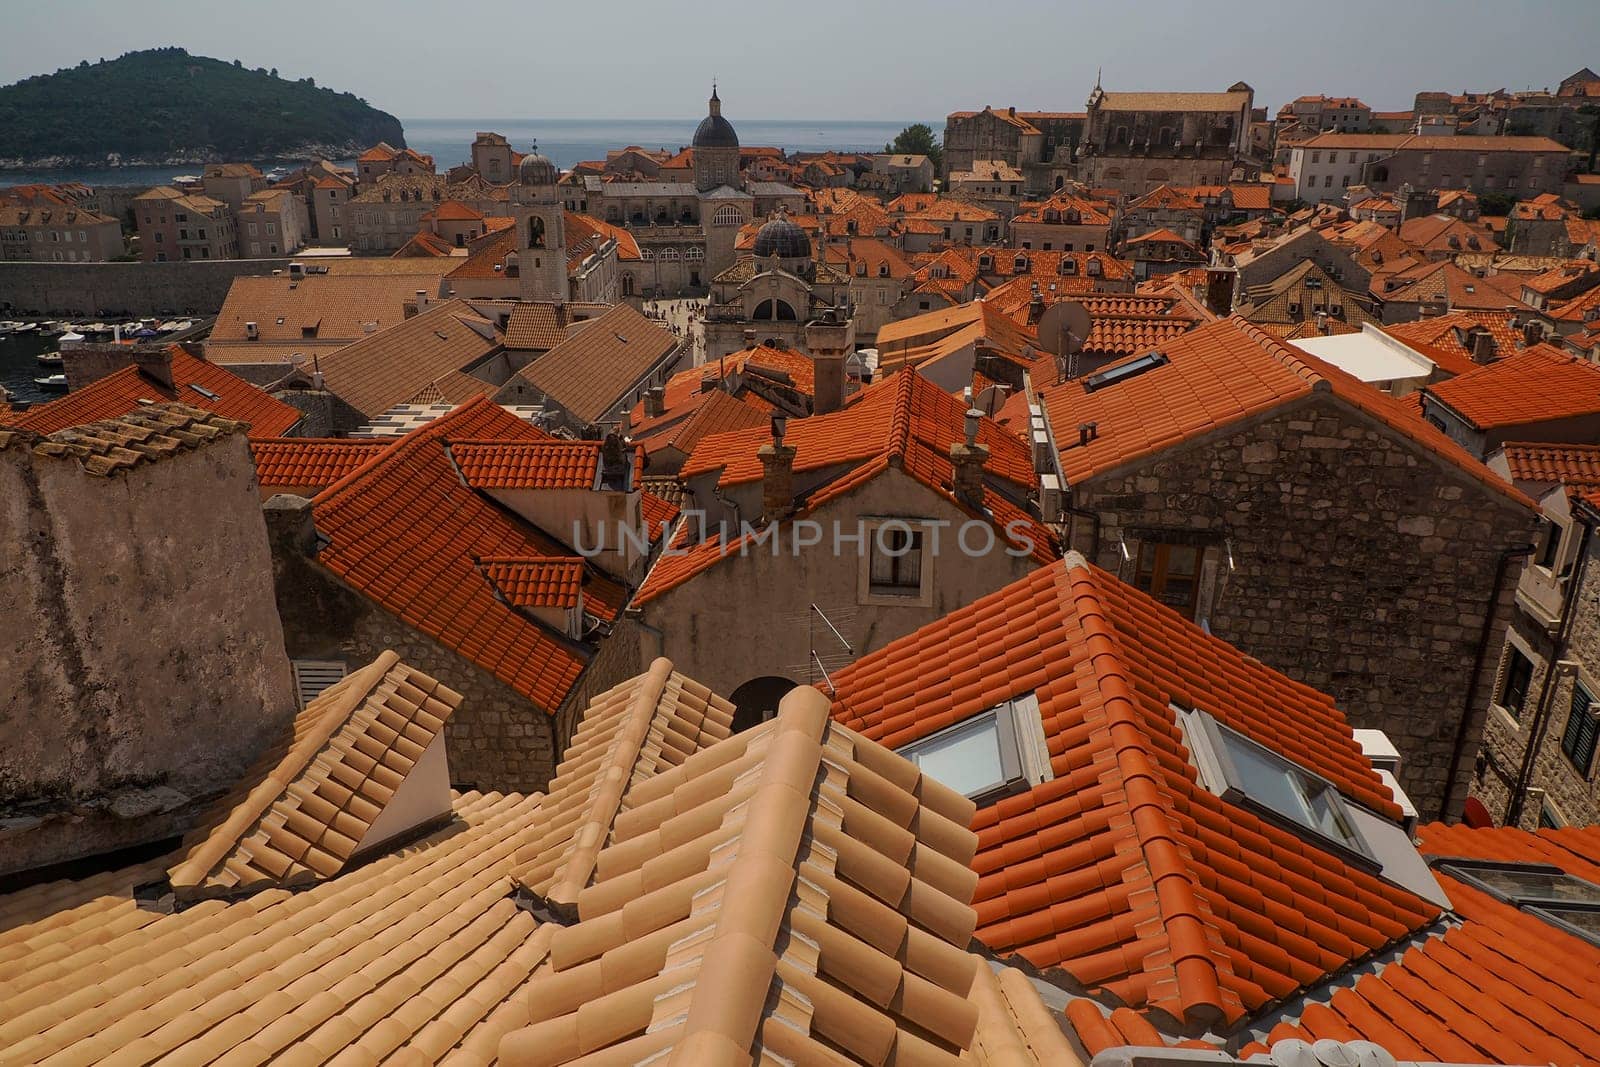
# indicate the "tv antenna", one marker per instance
pixel 811 639
pixel 1063 328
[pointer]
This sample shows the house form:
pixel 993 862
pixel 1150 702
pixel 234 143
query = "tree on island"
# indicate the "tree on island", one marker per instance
pixel 917 140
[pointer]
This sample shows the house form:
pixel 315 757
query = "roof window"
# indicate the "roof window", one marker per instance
pixel 203 391
pixel 1247 773
pixel 1561 899
pixel 1123 371
pixel 990 755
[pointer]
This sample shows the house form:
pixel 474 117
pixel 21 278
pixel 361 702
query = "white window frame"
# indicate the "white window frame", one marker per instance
pixel 1019 737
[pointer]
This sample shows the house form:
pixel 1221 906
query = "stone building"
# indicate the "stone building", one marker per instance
pixel 1537 766
pixel 1325 166
pixel 174 226
pixel 1041 144
pixel 938 498
pixel 1306 518
pixel 58 233
pixel 145 665
pixel 459 547
pixel 775 293
pixel 1134 142
pixel 388 211
pixel 270 223
pixel 1066 222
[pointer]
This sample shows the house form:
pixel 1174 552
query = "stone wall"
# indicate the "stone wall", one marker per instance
pixel 1556 786
pixel 142 658
pixel 96 290
pixel 1362 565
pixel 498 739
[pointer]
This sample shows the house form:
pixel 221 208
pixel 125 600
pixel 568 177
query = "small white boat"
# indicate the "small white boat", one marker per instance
pixel 26 327
pixel 56 382
pixel 49 359
pixel 71 337
pixel 51 326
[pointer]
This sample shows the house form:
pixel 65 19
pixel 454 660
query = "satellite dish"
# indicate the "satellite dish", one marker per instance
pixel 1063 327
pixel 990 400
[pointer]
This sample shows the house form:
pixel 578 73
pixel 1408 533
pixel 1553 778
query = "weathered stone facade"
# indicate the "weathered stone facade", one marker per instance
pixel 1558 791
pixel 1341 553
pixel 498 738
pixel 143 659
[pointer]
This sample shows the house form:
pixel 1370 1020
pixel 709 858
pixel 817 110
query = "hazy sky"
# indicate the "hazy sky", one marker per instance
pixel 818 59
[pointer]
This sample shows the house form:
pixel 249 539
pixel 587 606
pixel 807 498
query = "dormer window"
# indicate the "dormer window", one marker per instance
pixel 1561 899
pixel 995 753
pixel 1069 265
pixel 1020 264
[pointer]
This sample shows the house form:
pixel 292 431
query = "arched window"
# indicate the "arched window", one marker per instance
pixel 774 310
pixel 647 253
pixel 627 284
pixel 535 232
pixel 670 255
pixel 728 215
pixel 694 254
pixel 883 270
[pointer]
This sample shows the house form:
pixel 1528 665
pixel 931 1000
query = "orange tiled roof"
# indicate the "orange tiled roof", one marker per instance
pixel 431 351
pixel 1572 465
pixel 1165 198
pixel 1500 986
pixel 1445 337
pixel 594 367
pixel 536 583
pixel 309 463
pixel 1122 869
pixel 128 389
pixel 552 463
pixel 406 532
pixel 1217 375
pixel 1536 385
pixel 310 802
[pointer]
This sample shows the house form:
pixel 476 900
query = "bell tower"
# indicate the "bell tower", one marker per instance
pixel 541 243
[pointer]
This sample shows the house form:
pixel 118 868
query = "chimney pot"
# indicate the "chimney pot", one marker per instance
pixel 422 299
pixel 777 475
pixel 1483 347
pixel 967 458
pixel 655 402
pixel 974 418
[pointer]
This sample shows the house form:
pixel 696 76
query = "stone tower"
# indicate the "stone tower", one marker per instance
pixel 716 149
pixel 541 230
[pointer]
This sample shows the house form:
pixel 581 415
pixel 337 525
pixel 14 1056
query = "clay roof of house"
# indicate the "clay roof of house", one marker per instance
pixel 538 324
pixel 1011 262
pixel 551 463
pixel 713 411
pixel 1163 235
pixel 305 807
pixel 147 435
pixel 1165 198
pixel 812 909
pixel 309 463
pixel 906 422
pixel 1090 212
pixel 1557 277
pixel 1121 869
pixel 1432 143
pixel 423 244
pixel 1446 283
pixel 315 313
pixel 1499 985
pixel 199 384
pixel 631 733
pixel 406 531
pixel 537 583
pixel 856 254
pixel 593 368
pixel 585 233
pixel 1445 338
pixel 1220 374
pixel 1120 324
pixel 933 335
pixel 1446 233
pixel 456 211
pixel 948 209
pixel 684 392
pixel 1579 309
pixel 1251 196
pixel 430 351
pixel 1575 465
pixel 1539 384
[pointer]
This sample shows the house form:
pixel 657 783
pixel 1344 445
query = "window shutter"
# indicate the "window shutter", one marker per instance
pixel 312 676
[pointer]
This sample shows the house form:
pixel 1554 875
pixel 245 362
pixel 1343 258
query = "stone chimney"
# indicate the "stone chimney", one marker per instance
pixel 777 474
pixel 749 337
pixel 1322 322
pixel 968 458
pixel 655 402
pixel 829 341
pixel 1219 291
pixel 155 363
pixel 1483 347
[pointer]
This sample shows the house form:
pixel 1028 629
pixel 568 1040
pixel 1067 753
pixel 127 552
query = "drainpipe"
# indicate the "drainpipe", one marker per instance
pixel 1500 569
pixel 1541 715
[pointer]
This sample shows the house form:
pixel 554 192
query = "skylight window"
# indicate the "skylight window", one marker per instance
pixel 993 754
pixel 1561 899
pixel 1243 772
pixel 1121 373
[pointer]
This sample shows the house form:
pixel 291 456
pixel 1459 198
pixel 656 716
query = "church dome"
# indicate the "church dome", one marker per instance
pixel 783 239
pixel 536 169
pixel 715 131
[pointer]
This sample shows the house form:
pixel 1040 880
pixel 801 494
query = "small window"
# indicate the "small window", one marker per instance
pixel 1243 772
pixel 1550 547
pixel 1559 898
pixel 312 676
pixel 993 754
pixel 896 562
pixel 1123 371
pixel 1518 677
pixel 1583 730
pixel 1171 574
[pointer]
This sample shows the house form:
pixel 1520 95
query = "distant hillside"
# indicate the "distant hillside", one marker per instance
pixel 166 106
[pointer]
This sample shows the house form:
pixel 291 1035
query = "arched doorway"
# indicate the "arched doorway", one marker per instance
pixel 756 701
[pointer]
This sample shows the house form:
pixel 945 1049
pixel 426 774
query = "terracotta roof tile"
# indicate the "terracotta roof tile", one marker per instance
pixel 430 350
pixel 1571 465
pixel 309 463
pixel 545 464
pixel 128 389
pixel 1122 870
pixel 1535 385
pixel 148 435
pixel 307 805
pixel 536 583
pixel 1447 337
pixel 596 366
pixel 1218 375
